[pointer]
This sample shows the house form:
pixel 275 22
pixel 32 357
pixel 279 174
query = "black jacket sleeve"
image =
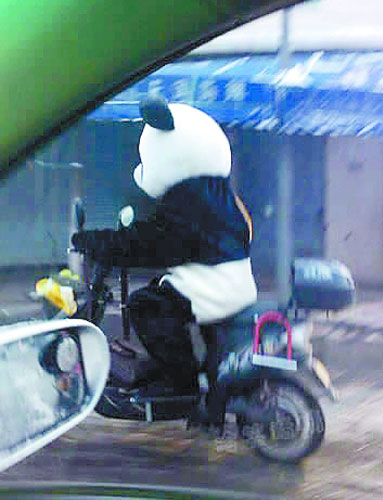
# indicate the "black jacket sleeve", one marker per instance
pixel 195 221
pixel 143 244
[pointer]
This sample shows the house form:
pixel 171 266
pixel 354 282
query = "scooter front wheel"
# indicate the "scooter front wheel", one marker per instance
pixel 297 429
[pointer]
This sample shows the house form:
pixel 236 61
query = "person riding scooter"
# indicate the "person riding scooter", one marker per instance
pixel 200 232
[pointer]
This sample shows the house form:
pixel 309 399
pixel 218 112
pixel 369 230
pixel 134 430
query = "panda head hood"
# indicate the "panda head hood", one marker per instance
pixel 178 143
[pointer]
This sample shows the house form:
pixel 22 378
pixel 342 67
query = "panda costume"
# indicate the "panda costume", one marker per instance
pixel 200 232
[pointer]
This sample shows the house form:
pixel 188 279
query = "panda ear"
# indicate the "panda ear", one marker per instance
pixel 156 113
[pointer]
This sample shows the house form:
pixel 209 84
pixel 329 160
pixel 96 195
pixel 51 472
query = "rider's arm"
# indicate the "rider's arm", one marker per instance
pixel 142 244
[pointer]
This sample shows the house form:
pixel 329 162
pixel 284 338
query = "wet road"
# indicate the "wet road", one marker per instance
pixel 348 466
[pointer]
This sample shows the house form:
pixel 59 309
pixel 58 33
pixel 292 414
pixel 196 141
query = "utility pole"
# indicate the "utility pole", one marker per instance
pixel 285 180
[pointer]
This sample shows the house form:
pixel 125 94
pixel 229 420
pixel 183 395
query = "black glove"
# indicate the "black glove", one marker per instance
pixel 79 241
pixel 90 243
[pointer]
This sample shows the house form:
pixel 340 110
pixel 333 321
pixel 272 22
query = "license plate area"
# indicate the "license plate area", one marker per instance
pixel 274 362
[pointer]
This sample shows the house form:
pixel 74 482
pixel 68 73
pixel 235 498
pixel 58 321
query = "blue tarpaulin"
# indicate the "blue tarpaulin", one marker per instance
pixel 320 94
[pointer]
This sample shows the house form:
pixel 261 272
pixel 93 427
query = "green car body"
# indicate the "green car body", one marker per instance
pixel 60 59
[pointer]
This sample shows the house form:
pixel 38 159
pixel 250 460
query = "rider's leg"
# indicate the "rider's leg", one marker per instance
pixel 160 317
pixel 216 401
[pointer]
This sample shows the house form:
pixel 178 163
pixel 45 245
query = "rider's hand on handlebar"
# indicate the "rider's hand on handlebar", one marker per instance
pixel 79 241
pixel 89 243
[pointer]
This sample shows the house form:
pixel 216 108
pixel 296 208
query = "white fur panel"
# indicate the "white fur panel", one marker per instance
pixel 215 292
pixel 196 147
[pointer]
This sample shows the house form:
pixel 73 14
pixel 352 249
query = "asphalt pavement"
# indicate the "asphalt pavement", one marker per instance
pixel 349 465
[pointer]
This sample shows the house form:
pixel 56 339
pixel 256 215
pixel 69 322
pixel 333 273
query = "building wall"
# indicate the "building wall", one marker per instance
pixel 256 156
pixel 354 206
pixel 37 229
pixel 35 203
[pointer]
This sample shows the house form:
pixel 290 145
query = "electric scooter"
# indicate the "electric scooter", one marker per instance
pixel 266 374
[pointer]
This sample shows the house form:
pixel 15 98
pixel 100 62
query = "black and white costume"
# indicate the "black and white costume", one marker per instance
pixel 198 232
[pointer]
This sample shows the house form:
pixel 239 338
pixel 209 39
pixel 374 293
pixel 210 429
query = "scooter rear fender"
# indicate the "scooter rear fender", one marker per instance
pixel 312 377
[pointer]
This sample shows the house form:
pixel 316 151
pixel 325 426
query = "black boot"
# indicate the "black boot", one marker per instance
pixel 209 418
pixel 199 420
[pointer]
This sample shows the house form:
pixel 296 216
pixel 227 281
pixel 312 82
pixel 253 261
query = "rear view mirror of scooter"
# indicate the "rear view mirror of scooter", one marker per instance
pixel 126 217
pixel 76 226
pixel 79 215
pixel 52 373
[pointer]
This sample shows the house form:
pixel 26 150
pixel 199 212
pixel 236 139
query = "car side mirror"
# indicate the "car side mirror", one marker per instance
pixel 52 376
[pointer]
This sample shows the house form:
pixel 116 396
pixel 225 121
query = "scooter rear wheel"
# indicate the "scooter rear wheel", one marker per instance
pixel 297 431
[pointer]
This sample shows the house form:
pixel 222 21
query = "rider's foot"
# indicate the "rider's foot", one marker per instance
pixel 199 420
pixel 124 350
pixel 129 370
pixel 128 348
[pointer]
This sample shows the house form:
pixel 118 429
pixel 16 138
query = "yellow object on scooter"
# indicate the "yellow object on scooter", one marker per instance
pixel 60 296
pixel 67 274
